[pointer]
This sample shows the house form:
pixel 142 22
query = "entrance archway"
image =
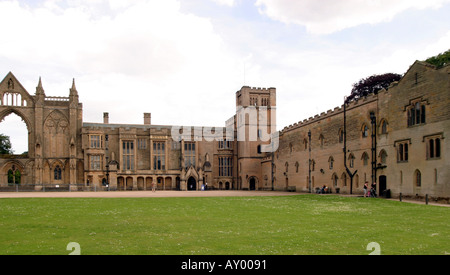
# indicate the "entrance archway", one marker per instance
pixel 192 184
pixel 252 184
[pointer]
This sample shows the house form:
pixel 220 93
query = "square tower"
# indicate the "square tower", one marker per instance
pixel 255 126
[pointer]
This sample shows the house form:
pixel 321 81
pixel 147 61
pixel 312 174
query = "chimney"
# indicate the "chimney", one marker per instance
pixel 105 118
pixel 147 119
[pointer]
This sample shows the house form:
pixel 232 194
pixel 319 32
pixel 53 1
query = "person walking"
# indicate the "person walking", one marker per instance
pixel 366 185
pixel 373 190
pixel 153 186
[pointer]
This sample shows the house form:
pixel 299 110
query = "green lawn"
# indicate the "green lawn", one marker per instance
pixel 305 224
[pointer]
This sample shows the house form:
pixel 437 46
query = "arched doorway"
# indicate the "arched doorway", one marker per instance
pixel 192 184
pixel 252 184
pixel 382 185
pixel 129 184
pixel 121 183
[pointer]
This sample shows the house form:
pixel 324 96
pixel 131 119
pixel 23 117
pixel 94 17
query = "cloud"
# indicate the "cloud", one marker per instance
pixel 229 3
pixel 328 16
pixel 128 57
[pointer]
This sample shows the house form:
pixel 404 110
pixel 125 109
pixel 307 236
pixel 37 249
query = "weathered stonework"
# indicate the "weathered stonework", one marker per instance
pixel 132 157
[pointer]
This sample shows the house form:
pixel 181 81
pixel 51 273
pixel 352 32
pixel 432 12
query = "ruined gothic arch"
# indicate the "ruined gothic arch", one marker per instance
pixel 8 111
pixel 12 93
pixel 53 125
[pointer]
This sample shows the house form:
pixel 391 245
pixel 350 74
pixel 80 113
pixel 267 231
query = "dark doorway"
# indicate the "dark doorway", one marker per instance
pixel 252 184
pixel 382 184
pixel 192 184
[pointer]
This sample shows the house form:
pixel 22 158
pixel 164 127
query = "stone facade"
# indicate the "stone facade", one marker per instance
pixel 400 151
pixel 54 135
pixel 396 138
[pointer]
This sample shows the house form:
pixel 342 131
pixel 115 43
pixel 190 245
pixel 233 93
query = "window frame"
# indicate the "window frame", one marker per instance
pixel 416 113
pixel 433 145
pixel 189 154
pixel 159 155
pixel 365 131
pixel 96 141
pixel 402 149
pixel 128 155
pixel 95 162
pixel 57 173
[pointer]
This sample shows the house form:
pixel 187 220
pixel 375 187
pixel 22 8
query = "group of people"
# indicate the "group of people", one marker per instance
pixel 204 186
pixel 373 190
pixel 323 190
pixel 367 193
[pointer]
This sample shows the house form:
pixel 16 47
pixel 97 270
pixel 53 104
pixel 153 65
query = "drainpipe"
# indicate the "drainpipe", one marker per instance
pixel 309 179
pixel 351 175
pixel 373 121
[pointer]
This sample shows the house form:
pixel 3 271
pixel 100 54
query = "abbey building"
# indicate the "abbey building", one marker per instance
pixel 396 138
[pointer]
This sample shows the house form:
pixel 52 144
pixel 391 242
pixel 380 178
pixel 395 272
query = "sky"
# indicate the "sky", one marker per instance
pixel 184 60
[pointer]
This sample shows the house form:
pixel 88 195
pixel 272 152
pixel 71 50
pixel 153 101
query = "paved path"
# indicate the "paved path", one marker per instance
pixel 143 194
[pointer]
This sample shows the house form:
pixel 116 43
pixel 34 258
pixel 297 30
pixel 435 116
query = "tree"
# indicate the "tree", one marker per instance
pixel 5 145
pixel 371 85
pixel 440 60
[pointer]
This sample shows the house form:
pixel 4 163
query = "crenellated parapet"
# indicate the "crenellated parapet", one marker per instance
pixel 332 112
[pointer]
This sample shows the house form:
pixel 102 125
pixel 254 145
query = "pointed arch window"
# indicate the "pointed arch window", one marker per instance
pixel 383 127
pixel 321 140
pixel 383 156
pixel 365 131
pixel 418 178
pixel 351 160
pixel 365 158
pixel 344 179
pixel 57 173
pixel 10 84
pixel 14 176
pixel 341 136
pixel 331 163
pixel 335 180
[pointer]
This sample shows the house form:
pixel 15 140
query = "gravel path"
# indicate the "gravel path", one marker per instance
pixel 143 194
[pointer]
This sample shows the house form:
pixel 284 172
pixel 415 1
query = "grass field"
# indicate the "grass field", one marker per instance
pixel 305 224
